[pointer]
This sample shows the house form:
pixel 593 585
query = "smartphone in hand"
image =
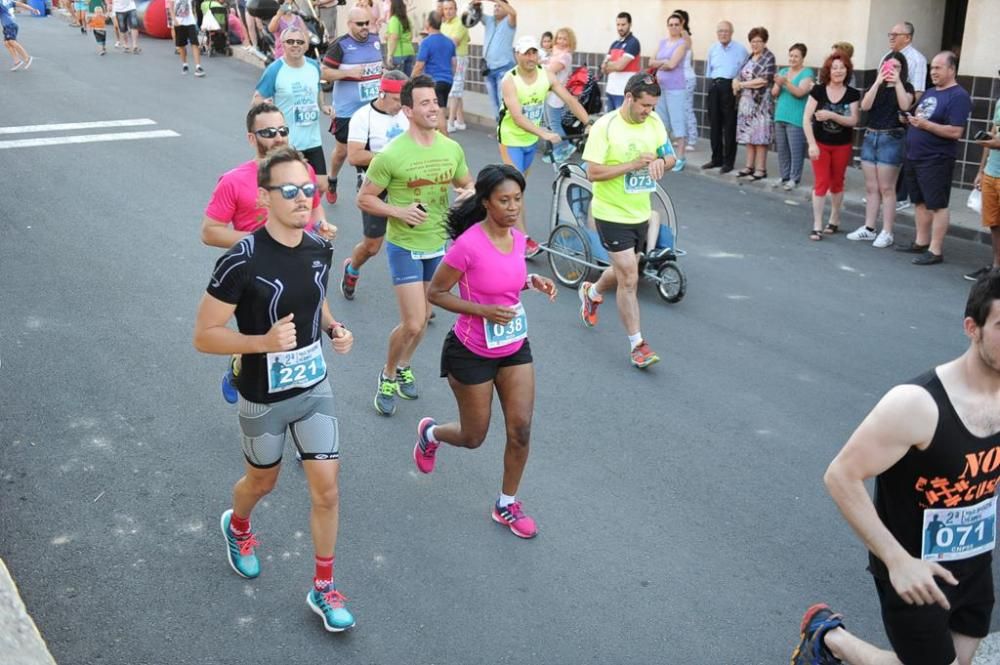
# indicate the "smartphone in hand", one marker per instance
pixel 982 135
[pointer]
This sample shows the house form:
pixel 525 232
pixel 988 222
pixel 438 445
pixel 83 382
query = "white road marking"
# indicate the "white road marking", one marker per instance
pixel 88 138
pixel 69 126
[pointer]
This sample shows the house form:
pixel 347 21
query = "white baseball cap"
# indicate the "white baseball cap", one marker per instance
pixel 526 43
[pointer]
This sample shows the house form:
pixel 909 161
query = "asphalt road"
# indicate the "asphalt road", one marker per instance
pixel 682 514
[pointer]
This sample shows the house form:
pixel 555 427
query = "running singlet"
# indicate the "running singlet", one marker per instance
pixel 412 173
pixel 267 281
pixel 235 198
pixel 940 503
pixel 532 99
pixel 375 129
pixel 295 91
pixel 612 140
pixel 489 277
pixel 365 60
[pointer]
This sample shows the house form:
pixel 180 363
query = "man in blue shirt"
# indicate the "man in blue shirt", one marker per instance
pixel 725 57
pixel 498 48
pixel 436 58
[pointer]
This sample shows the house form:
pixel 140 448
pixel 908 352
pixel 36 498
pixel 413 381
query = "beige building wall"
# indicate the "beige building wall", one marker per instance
pixel 980 52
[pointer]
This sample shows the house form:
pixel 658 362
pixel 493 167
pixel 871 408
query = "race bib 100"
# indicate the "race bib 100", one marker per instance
pixel 305 114
pixel 498 334
pixel 951 534
pixel 300 368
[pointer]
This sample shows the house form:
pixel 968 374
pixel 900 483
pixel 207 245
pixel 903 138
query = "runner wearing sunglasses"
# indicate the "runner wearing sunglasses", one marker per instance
pixel 292 83
pixel 234 210
pixel 354 64
pixel 274 282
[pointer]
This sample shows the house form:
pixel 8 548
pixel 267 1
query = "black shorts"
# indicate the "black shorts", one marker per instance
pixel 185 34
pixel 442 90
pixel 316 159
pixel 372 226
pixel 929 182
pixel 618 237
pixel 470 369
pixel 921 635
pixel 339 128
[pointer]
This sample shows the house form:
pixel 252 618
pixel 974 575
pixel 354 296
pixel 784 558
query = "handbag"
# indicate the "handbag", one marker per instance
pixel 975 201
pixel 209 24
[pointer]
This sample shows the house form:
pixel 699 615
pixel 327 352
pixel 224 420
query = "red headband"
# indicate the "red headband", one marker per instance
pixel 393 86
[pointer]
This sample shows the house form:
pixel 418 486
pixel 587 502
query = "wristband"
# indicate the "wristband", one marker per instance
pixel 334 326
pixel 528 283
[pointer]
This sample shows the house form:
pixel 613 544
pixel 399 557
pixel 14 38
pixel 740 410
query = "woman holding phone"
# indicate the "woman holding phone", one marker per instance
pixel 882 150
pixel 287 17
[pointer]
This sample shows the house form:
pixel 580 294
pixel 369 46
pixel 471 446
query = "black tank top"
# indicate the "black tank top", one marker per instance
pixel 957 469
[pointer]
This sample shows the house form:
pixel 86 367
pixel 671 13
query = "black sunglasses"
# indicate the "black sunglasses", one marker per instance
pixel 271 132
pixel 361 24
pixel 290 191
pixel 295 42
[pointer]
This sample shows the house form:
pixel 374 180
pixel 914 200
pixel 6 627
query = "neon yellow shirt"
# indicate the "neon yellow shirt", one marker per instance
pixel 532 99
pixel 613 141
pixel 458 34
pixel 412 173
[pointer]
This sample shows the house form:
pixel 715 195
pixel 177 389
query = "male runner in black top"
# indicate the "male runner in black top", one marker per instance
pixel 275 281
pixel 933 447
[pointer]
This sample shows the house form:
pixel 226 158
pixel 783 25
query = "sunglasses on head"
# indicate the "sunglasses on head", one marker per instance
pixel 295 42
pixel 271 132
pixel 290 191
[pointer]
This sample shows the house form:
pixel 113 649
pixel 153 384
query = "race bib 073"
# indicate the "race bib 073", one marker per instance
pixel 639 182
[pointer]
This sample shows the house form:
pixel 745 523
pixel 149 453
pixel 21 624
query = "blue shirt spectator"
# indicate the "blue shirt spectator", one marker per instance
pixel 499 43
pixel 437 53
pixel 724 60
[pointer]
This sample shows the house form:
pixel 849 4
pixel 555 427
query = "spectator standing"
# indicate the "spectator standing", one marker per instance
pixel 621 62
pixel 791 87
pixel 560 65
pixel 725 57
pixel 882 150
pixel 399 39
pixel 901 41
pixel 988 182
pixel 668 64
pixel 436 58
pixel 755 112
pixel 286 17
pixel 185 23
pixel 452 27
pixel 831 113
pixel 547 43
pixel 98 24
pixel 935 127
pixel 10 29
pixel 498 48
pixel 128 24
pixel 690 81
pixel 847 48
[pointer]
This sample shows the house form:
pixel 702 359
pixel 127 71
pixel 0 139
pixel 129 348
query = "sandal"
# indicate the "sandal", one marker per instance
pixel 831 229
pixel 758 175
pixel 743 173
pixel 815 234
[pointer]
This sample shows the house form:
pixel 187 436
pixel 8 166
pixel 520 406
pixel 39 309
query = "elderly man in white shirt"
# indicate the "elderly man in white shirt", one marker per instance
pixel 901 40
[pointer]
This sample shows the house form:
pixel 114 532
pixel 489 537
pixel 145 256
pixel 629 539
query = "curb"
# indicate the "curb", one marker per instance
pixel 20 641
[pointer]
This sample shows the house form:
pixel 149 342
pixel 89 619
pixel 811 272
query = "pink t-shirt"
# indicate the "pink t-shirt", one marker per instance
pixel 489 277
pixel 234 200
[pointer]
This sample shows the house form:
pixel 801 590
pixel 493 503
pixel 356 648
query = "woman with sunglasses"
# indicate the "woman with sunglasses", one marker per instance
pixel 488 346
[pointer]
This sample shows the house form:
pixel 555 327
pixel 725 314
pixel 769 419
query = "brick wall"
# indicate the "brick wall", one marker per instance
pixel 984 91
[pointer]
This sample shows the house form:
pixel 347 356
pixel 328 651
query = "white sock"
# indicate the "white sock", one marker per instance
pixel 429 434
pixel 634 340
pixel 592 293
pixel 505 500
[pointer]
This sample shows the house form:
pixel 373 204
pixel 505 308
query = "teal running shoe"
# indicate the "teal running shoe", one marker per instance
pixel 406 384
pixel 331 605
pixel 240 551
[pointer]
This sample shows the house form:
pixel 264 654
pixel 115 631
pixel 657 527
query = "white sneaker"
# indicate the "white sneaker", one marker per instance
pixel 689 148
pixel 184 69
pixel 864 199
pixel 861 233
pixel 451 127
pixel 198 71
pixel 17 65
pixel 789 185
pixel 775 184
pixel 902 205
pixel 883 240
pixel 459 126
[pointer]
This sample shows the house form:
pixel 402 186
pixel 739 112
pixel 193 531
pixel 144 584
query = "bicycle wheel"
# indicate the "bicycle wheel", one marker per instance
pixel 569 264
pixel 671 283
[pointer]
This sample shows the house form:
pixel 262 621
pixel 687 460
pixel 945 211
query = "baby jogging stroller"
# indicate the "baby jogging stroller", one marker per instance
pixel 216 41
pixel 582 84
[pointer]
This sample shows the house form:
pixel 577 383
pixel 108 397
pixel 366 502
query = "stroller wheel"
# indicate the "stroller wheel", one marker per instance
pixel 671 283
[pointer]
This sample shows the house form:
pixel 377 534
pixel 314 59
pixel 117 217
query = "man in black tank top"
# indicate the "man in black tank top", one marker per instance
pixel 933 447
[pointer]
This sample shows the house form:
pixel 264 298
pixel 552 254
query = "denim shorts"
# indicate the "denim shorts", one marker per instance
pixel 407 269
pixel 883 147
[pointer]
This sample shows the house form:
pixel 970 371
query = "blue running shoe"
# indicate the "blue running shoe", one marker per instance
pixel 229 392
pixel 817 621
pixel 562 151
pixel 240 551
pixel 331 605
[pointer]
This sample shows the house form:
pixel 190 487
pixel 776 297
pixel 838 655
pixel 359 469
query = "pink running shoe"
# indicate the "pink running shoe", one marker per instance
pixel 513 516
pixel 424 451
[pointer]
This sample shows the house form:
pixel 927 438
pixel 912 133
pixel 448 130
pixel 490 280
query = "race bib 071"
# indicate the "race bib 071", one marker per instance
pixel 952 534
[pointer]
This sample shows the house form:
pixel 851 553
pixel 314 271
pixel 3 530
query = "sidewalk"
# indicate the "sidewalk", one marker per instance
pixel 965 223
pixel 20 641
